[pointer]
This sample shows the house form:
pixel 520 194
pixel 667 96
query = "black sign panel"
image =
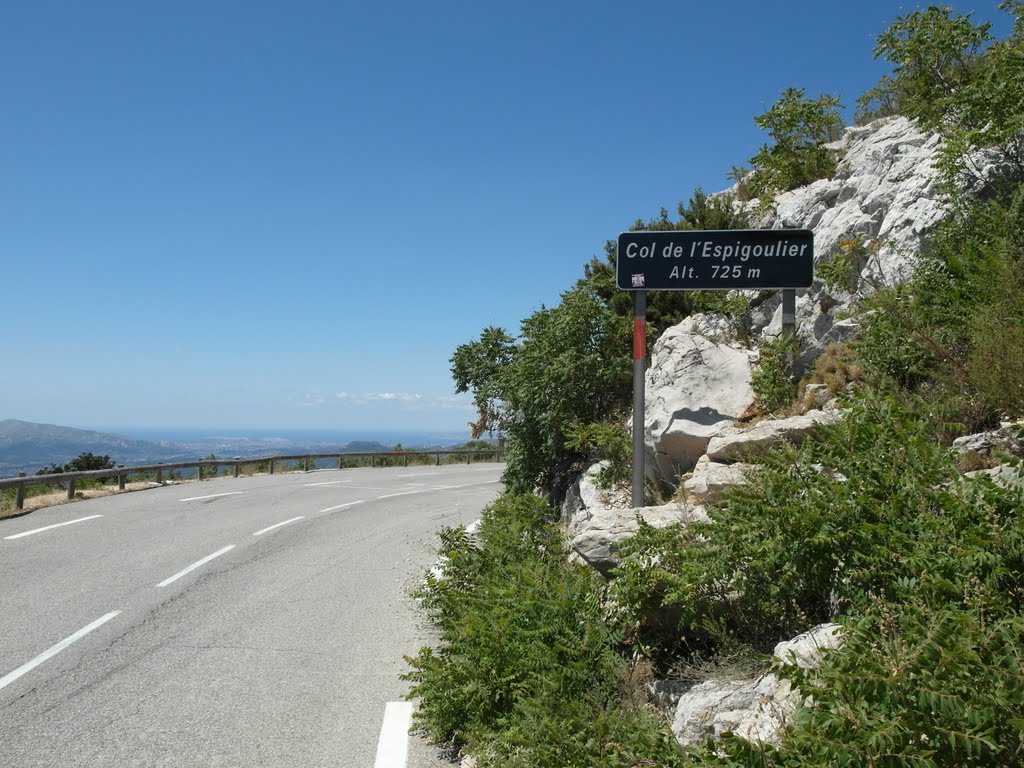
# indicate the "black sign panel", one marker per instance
pixel 717 260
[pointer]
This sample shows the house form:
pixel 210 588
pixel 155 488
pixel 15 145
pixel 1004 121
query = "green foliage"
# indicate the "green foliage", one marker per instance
pixel 773 384
pixel 953 335
pixel 935 54
pixel 605 441
pixel 954 78
pixel 915 685
pixel 873 508
pixel 84 462
pixel 527 672
pixel 478 367
pixel 798 127
pixel 570 367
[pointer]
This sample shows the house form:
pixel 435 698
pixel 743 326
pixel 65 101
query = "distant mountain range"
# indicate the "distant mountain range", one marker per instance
pixel 28 447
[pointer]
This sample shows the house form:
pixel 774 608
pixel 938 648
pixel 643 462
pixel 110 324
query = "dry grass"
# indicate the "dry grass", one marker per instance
pixel 60 496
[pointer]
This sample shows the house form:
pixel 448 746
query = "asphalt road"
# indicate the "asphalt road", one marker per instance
pixel 251 622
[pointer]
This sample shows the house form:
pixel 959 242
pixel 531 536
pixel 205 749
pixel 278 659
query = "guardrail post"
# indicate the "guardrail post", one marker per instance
pixel 20 501
pixel 271 466
pixel 341 461
pixel 120 478
pixel 71 490
pixel 305 464
pixel 469 457
pixel 160 477
pixel 199 472
pixel 437 459
pixel 238 467
pixel 405 459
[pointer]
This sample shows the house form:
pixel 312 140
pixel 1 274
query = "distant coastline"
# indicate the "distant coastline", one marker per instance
pixel 410 438
pixel 28 447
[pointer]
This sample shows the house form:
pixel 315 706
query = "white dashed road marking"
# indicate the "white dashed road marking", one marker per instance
pixel 277 525
pixel 342 506
pixel 212 496
pixel 195 565
pixel 53 651
pixel 49 527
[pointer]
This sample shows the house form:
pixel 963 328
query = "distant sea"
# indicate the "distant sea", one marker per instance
pixel 409 438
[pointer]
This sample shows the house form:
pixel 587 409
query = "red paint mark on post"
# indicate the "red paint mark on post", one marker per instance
pixel 639 338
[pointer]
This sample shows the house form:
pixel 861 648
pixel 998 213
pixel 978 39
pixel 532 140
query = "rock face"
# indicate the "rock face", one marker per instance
pixel 696 387
pixel 597 520
pixel 1008 439
pixel 875 211
pixel 756 710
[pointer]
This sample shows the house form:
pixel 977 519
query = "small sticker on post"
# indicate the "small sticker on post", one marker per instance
pixel 638 281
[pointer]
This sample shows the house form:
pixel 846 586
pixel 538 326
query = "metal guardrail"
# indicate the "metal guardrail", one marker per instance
pixel 122 473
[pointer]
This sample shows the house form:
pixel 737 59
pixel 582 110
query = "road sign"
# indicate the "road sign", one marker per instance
pixel 715 260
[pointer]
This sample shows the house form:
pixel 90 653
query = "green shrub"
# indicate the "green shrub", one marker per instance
pixel 875 507
pixel 606 441
pixel 771 380
pixel 527 672
pixel 798 127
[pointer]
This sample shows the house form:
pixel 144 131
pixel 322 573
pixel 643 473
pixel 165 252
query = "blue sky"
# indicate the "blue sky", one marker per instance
pixel 288 215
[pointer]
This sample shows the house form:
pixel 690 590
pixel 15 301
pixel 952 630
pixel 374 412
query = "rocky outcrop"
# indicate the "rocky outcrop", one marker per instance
pixel 875 211
pixel 596 541
pixel 598 520
pixel 1008 440
pixel 754 442
pixel 696 388
pixel 710 479
pixel 757 710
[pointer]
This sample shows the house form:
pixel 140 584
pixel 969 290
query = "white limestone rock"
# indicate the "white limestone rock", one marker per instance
pixel 711 479
pixel 1005 476
pixel 756 710
pixel 754 442
pixel 1009 438
pixel 885 195
pixel 597 537
pixel 585 499
pixel 807 650
pixel 695 388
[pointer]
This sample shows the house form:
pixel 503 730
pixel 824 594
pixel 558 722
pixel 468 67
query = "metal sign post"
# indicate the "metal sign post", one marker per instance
pixel 639 406
pixel 751 259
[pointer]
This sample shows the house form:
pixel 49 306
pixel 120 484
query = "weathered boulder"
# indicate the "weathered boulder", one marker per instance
pixel 756 710
pixel 597 537
pixel 807 650
pixel 1009 438
pixel 739 444
pixel 696 387
pixel 1004 475
pixel 586 498
pixel 710 479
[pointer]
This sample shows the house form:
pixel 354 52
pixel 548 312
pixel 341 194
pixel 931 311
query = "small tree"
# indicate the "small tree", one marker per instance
pixel 798 127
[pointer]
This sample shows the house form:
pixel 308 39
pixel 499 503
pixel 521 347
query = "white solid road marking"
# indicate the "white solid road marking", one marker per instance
pixel 420 474
pixel 28 667
pixel 192 567
pixel 49 527
pixel 278 525
pixel 393 744
pixel 342 506
pixel 212 496
pixel 332 482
